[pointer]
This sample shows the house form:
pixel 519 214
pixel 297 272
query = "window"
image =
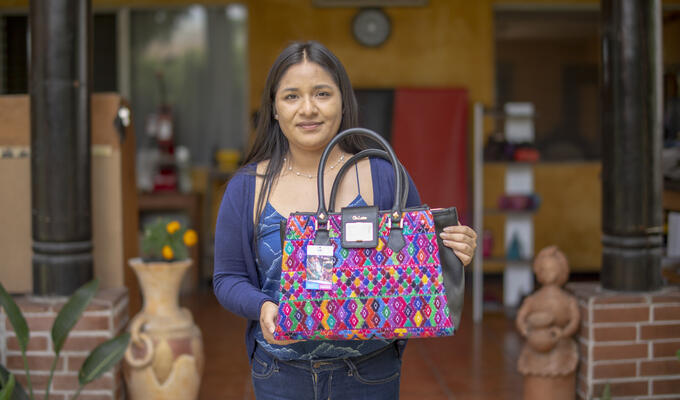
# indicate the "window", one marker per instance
pixel 14 44
pixel 192 63
pixel 551 59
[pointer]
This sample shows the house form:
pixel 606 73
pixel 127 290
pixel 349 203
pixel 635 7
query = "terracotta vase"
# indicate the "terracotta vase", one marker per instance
pixel 164 360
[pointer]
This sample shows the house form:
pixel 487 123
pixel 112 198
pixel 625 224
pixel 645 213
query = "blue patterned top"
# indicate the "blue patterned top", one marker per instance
pixel 269 268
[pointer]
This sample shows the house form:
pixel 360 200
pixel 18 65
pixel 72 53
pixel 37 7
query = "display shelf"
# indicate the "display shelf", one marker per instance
pixel 518 224
pixel 494 265
pixel 497 211
pixel 510 163
pixel 506 260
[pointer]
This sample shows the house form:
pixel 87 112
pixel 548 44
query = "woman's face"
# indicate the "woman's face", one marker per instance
pixel 308 106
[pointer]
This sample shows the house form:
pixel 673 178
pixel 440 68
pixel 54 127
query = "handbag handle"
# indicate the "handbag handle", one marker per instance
pixel 353 160
pixel 322 213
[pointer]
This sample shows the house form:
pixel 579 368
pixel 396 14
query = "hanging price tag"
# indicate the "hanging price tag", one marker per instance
pixel 319 267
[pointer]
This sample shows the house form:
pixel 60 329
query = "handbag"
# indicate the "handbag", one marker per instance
pixel 452 267
pixel 363 273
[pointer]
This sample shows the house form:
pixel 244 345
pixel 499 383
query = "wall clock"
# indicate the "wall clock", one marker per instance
pixel 371 27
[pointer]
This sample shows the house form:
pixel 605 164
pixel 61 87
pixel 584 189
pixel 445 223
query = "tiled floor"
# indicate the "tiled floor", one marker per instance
pixel 477 363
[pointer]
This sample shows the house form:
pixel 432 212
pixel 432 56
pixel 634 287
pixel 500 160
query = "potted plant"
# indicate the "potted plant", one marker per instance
pixel 167 240
pixel 100 360
pixel 165 357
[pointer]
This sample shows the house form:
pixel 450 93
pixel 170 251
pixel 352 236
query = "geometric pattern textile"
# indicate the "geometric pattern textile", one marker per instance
pixel 376 292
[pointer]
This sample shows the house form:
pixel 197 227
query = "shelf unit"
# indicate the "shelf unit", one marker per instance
pixel 517 273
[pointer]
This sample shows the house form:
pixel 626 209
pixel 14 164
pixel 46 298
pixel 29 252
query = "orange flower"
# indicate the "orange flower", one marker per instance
pixel 190 237
pixel 172 227
pixel 167 252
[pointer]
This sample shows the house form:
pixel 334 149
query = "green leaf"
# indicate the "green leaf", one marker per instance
pixel 103 358
pixel 678 354
pixel 18 393
pixel 16 318
pixel 7 391
pixel 607 392
pixel 181 253
pixel 178 248
pixel 71 312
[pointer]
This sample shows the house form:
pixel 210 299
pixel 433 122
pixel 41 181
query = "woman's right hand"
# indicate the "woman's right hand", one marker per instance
pixel 268 313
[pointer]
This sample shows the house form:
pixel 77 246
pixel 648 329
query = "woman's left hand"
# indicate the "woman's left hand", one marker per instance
pixel 462 240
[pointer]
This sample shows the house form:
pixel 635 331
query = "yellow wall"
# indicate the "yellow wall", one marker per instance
pixel 446 44
pixel 564 3
pixel 671 47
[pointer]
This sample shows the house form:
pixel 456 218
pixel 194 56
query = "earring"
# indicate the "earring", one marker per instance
pixel 276 117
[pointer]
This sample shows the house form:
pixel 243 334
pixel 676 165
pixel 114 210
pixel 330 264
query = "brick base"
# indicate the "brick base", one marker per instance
pixel 628 340
pixel 104 319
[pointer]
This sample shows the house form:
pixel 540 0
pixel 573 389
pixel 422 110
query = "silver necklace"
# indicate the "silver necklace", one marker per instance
pixel 308 176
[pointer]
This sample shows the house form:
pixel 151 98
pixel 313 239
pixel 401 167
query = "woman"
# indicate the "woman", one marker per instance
pixel 307 100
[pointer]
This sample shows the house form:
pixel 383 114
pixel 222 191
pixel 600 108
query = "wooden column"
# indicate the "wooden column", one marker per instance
pixel 631 132
pixel 60 87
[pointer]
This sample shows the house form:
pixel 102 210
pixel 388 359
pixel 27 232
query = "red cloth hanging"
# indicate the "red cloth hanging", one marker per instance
pixel 429 135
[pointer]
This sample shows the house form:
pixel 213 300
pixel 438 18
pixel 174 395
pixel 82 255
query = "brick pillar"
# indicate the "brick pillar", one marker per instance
pixel 629 341
pixel 104 319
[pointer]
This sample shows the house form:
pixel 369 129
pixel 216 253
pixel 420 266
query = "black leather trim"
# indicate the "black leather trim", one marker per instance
pixel 321 238
pixel 368 214
pixel 282 231
pixel 452 267
pixel 396 240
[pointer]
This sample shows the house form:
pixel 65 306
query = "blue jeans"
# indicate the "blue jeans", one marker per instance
pixel 373 376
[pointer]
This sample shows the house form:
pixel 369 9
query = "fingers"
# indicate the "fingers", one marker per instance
pixel 268 314
pixel 459 234
pixel 460 244
pixel 464 257
pixel 463 251
pixel 462 240
pixel 462 230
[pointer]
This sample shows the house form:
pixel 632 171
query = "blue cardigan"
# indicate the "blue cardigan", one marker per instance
pixel 235 278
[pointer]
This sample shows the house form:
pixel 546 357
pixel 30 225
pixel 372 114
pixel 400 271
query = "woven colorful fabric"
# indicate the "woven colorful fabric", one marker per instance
pixel 376 293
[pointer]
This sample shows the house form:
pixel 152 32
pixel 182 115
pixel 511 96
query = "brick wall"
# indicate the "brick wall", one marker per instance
pixel 104 319
pixel 629 341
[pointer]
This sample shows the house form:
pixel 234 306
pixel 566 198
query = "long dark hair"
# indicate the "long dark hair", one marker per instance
pixel 270 143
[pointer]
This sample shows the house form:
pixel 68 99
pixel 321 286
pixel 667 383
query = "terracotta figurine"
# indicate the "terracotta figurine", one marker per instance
pixel 547 319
